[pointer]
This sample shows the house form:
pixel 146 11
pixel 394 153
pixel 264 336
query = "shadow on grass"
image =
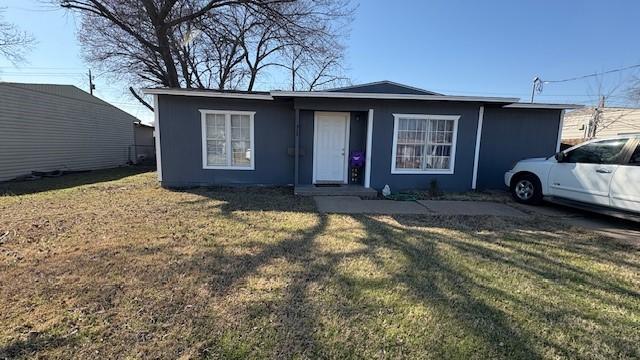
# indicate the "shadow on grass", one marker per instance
pixel 327 308
pixel 70 180
pixel 34 344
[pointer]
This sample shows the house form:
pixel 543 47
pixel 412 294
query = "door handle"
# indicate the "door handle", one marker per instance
pixel 603 171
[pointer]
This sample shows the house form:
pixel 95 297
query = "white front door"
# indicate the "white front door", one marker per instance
pixel 330 147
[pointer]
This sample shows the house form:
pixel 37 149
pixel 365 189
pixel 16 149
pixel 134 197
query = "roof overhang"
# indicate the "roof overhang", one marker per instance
pixel 381 96
pixel 543 106
pixel 508 102
pixel 208 93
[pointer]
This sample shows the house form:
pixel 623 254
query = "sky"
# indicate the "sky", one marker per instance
pixel 491 47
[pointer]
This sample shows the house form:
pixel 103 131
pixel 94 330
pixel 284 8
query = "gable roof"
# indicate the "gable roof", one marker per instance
pixel 67 91
pixel 383 87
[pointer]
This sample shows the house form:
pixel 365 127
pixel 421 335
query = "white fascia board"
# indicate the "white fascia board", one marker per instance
pixel 346 95
pixel 543 106
pixel 212 94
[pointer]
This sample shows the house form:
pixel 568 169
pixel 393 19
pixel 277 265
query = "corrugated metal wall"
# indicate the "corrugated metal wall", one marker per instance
pixel 45 128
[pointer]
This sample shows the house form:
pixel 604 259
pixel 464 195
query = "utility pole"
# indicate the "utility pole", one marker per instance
pixel 592 131
pixel 92 86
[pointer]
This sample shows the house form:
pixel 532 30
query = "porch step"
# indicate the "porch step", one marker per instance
pixel 342 190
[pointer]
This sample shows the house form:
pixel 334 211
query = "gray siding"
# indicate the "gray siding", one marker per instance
pixel 59 127
pixel 181 142
pixel 510 135
pixel 144 141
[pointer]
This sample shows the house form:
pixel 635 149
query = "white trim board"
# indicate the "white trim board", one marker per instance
pixel 347 95
pixel 347 116
pixel 208 93
pixel 156 124
pixel 518 105
pixel 368 149
pixel 476 156
pixel 560 126
pixel 454 144
pixel 227 114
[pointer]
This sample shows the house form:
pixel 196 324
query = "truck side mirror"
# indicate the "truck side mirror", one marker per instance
pixel 560 156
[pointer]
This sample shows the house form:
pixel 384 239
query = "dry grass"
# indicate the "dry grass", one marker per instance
pixel 126 269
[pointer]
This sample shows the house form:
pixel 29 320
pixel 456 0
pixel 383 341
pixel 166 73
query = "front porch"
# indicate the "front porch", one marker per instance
pixel 337 190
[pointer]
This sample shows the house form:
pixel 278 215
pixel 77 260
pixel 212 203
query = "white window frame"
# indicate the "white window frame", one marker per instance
pixel 227 114
pixel 396 120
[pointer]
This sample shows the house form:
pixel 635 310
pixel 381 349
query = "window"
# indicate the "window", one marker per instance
pixel 424 144
pixel 227 140
pixel 635 157
pixel 597 152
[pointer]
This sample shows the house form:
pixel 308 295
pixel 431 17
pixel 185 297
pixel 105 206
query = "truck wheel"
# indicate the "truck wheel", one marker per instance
pixel 526 189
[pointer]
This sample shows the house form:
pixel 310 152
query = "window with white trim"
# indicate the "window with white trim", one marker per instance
pixel 424 143
pixel 227 140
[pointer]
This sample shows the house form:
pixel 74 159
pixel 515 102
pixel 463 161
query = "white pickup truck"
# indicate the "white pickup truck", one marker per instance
pixel 601 175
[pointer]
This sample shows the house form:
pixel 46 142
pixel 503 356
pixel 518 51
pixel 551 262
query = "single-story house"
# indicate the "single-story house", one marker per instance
pixel 48 127
pixel 409 137
pixel 600 122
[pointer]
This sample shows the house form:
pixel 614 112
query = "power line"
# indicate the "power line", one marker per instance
pixel 592 75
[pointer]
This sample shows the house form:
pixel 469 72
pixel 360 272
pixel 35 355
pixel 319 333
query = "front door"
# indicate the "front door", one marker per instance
pixel 330 147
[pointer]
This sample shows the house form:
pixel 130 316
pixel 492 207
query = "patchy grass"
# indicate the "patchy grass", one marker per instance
pixel 126 269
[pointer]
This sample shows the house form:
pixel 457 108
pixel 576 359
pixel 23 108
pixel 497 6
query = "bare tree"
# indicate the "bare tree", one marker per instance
pixel 224 44
pixel 14 43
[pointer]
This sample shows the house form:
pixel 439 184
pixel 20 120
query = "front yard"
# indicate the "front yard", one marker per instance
pixel 125 269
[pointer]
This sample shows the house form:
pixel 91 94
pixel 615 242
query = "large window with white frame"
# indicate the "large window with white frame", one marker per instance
pixel 424 144
pixel 227 140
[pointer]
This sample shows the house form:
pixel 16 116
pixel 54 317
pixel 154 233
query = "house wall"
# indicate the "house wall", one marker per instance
pixel 383 139
pixel 613 121
pixel 54 127
pixel 181 142
pixel 510 135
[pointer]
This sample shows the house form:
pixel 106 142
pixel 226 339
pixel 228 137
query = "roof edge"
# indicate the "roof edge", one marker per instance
pixel 383 82
pixel 207 93
pixel 385 96
pixel 519 105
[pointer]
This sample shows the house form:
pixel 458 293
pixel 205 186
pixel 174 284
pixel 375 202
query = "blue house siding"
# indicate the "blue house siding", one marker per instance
pixel 510 135
pixel 181 142
pixel 460 180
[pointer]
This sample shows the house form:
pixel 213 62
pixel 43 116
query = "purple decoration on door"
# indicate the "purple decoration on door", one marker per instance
pixel 357 159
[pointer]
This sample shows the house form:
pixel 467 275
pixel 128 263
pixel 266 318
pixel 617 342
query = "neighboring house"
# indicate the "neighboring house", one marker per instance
pixel 584 124
pixel 144 143
pixel 410 137
pixel 46 127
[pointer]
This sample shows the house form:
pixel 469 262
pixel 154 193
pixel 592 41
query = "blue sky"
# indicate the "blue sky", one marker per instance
pixel 492 47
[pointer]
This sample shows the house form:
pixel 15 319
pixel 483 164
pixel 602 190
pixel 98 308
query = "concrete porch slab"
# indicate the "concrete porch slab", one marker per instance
pixel 355 205
pixel 447 207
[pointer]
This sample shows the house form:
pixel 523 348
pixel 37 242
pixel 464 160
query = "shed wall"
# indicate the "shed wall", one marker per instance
pixel 41 131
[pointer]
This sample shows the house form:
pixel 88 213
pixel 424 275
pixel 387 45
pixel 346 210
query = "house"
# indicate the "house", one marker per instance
pixel 410 138
pixel 46 127
pixel 587 123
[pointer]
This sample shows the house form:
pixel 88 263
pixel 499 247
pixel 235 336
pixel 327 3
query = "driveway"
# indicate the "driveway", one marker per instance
pixel 605 225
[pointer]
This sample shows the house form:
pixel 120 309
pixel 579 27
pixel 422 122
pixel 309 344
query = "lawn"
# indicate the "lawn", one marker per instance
pixel 110 265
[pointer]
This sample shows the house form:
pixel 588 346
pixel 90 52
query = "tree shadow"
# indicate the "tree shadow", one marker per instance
pixel 34 344
pixel 70 180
